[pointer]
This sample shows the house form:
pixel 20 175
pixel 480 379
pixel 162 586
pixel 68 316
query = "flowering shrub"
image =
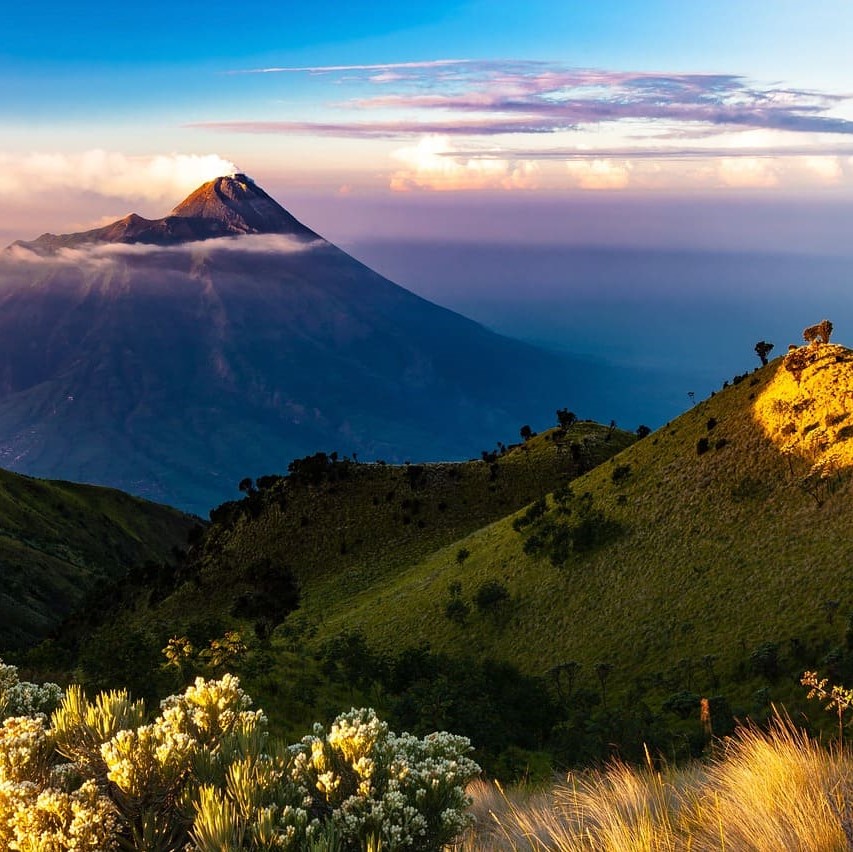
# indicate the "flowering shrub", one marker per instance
pixel 407 792
pixel 19 698
pixel 204 776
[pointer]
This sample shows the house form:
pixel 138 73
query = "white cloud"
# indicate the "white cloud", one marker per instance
pixel 431 165
pixel 111 174
pixel 600 174
pixel 748 172
pixel 826 170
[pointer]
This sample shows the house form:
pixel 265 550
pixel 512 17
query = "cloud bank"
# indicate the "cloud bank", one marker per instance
pixel 100 254
pixel 431 165
pixel 163 178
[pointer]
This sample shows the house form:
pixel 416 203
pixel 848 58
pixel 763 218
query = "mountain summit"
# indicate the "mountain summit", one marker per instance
pixel 239 206
pixel 226 206
pixel 149 356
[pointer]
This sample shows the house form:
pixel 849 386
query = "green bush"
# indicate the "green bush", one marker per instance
pixel 457 610
pixel 491 595
pixel 682 704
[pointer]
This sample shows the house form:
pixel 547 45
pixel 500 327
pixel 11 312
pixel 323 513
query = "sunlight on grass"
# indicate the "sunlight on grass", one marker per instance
pixel 762 791
pixel 805 408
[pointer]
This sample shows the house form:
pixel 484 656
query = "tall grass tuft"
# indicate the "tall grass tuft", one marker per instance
pixel 762 792
pixel 772 791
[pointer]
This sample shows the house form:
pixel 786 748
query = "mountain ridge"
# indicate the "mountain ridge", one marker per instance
pixel 60 540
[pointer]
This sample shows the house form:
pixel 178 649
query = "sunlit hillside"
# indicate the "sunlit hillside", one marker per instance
pixel 327 533
pixel 711 558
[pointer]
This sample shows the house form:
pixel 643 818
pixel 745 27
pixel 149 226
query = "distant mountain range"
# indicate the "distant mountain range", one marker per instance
pixel 173 357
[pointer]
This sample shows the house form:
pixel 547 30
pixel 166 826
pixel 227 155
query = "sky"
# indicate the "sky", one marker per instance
pixel 625 123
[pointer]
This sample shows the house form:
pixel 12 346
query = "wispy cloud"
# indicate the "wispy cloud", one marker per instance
pixel 523 97
pixel 379 66
pixel 650 153
pixel 111 174
pixel 381 129
pixel 99 254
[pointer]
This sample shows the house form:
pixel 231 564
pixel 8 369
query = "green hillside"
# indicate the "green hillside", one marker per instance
pixel 58 541
pixel 725 552
pixel 344 528
pixel 334 530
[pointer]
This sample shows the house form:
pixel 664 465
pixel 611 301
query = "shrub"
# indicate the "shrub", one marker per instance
pixel 558 539
pixel 682 704
pixel 491 595
pixel 702 446
pixel 203 776
pixel 566 418
pixel 620 473
pixel 765 659
pixel 533 512
pixel 20 698
pixel 457 610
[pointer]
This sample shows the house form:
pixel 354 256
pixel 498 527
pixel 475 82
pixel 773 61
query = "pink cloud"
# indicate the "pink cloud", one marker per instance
pixel 502 97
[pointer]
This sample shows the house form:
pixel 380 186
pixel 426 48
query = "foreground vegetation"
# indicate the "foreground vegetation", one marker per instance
pixel 761 791
pixel 204 776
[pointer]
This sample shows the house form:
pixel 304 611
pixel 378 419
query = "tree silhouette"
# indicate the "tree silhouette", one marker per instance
pixel 565 418
pixel 762 350
pixel 602 672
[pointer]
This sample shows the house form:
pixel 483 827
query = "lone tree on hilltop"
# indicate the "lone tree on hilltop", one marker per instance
pixel 565 418
pixel 762 350
pixel 526 432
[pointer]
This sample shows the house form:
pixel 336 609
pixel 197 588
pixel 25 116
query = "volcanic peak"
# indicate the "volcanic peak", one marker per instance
pixel 240 206
pixel 226 206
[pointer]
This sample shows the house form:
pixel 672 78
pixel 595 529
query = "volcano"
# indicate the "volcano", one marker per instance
pixel 173 357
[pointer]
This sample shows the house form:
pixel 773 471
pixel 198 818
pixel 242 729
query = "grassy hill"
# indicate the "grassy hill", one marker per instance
pixel 334 529
pixel 725 552
pixel 59 540
pixel 344 528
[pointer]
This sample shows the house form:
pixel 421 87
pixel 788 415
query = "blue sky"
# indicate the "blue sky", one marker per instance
pixel 377 108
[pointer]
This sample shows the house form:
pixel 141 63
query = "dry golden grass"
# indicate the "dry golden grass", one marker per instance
pixel 763 792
